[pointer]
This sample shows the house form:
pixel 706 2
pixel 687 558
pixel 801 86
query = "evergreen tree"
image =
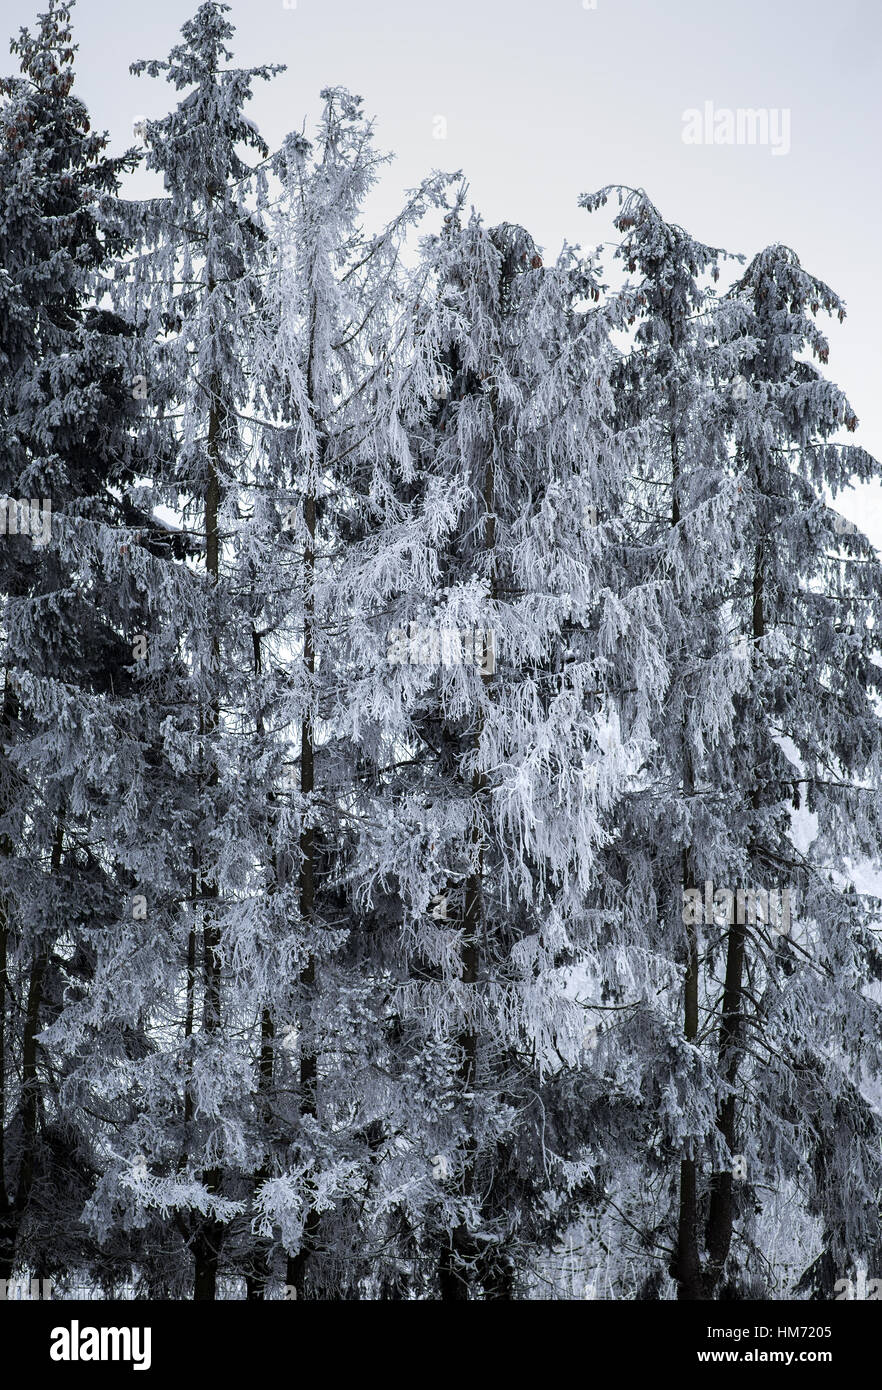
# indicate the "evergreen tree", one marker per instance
pixel 192 288
pixel 799 1030
pixel 334 376
pixel 519 750
pixel 736 761
pixel 68 453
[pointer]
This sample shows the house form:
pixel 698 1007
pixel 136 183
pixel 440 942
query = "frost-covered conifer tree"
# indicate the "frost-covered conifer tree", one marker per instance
pixel 328 542
pixel 673 384
pixel 689 378
pixel 799 1031
pixel 68 456
pixel 509 658
pixel 182 1143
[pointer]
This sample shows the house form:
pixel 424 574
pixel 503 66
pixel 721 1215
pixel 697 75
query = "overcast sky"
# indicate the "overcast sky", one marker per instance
pixel 538 102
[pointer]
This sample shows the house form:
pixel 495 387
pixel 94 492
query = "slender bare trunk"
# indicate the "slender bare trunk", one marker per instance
pixel 298 1263
pixel 258 1274
pixel 688 1264
pixel 30 1080
pixel 689 1279
pixel 459 1252
pixel 6 1232
pixel 208 1238
pixel 722 1202
pixel 7 1224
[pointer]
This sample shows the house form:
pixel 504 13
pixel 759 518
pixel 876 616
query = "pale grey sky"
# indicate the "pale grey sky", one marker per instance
pixel 543 101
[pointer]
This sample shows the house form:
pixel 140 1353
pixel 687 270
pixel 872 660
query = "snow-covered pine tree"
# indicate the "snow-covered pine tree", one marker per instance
pixel 182 1143
pixel 756 1000
pixel 672 384
pixel 328 542
pixel 800 1025
pixel 508 656
pixel 67 413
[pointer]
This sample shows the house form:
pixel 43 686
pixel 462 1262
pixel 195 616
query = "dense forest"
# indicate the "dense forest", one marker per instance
pixel 440 737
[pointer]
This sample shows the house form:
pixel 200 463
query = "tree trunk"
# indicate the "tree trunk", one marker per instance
pixel 8 715
pixel 30 1081
pixel 7 1235
pixel 688 1263
pixel 689 1280
pixel 722 1205
pixel 258 1275
pixel 299 1262
pixel 459 1253
pixel 209 1233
